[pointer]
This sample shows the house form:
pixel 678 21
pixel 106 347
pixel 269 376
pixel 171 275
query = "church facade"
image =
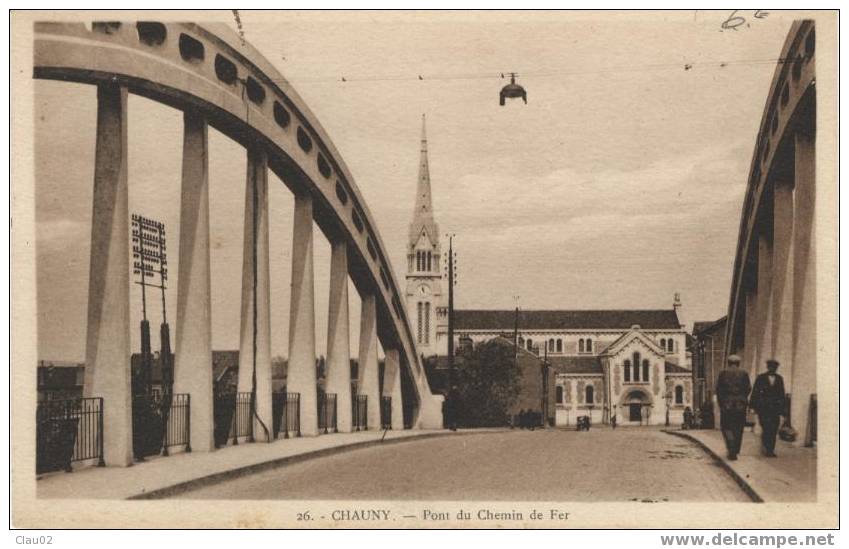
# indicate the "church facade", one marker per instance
pixel 629 364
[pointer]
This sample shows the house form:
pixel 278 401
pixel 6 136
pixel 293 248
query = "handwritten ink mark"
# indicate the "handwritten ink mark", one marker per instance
pixel 735 21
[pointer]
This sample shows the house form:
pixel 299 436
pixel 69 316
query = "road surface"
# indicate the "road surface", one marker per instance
pixel 628 464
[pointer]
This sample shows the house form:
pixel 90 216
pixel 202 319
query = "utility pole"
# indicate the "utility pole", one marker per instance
pixel 451 282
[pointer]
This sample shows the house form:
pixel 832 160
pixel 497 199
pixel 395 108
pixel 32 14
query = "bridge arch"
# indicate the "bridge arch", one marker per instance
pixel 216 79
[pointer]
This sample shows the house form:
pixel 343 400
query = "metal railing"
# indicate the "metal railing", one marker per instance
pixel 286 412
pixel 359 412
pixel 67 431
pixel 386 412
pixel 327 412
pixel 243 425
pixel 159 422
pixel 178 423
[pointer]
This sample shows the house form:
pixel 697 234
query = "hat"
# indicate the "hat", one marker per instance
pixel 734 358
pixel 772 362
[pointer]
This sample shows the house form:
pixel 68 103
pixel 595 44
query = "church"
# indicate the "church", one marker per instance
pixel 631 365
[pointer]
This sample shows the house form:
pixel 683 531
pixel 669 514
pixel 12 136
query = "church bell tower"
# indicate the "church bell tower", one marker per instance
pixel 425 305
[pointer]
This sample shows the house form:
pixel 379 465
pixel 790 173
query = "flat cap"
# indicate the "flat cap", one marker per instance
pixel 734 358
pixel 772 362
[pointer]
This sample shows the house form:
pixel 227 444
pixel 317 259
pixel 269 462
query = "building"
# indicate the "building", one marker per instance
pixel 772 311
pixel 632 363
pixel 708 360
pixel 426 303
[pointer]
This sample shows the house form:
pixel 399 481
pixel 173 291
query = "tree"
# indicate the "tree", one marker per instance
pixel 486 384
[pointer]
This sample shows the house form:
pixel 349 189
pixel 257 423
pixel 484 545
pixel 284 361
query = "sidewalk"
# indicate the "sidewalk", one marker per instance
pixel 163 476
pixel 792 476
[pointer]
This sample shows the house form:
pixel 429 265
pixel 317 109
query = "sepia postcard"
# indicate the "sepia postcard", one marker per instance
pixel 424 269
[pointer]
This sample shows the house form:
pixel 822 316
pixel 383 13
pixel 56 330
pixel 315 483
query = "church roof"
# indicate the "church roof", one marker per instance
pixel 423 221
pixel 671 368
pixel 613 319
pixel 576 364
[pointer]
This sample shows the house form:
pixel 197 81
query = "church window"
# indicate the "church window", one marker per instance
pixel 589 345
pixel 637 366
pixel 427 323
pixel 627 370
pixel 530 344
pixel 559 394
pixel 551 345
pixel 679 394
pixel 419 307
pixel 645 369
pixel 429 257
pixel 590 397
pixel 559 345
pixel 671 345
pixel 663 343
pixel 580 345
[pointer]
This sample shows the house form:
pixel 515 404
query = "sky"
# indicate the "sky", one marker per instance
pixel 617 185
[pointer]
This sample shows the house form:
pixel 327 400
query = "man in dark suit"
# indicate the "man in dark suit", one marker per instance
pixel 768 400
pixel 732 392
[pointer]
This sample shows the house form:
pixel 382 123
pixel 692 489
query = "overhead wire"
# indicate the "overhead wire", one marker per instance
pixel 497 75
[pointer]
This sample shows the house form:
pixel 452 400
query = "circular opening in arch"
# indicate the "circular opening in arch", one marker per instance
pixel 151 33
pixel 384 278
pixel 304 140
pixel 281 115
pixel 371 251
pixel 341 194
pixel 358 221
pixel 785 94
pixel 810 44
pixel 225 69
pixel 256 93
pixel 773 126
pixel 191 50
pixel 766 152
pixel 106 27
pixel 323 166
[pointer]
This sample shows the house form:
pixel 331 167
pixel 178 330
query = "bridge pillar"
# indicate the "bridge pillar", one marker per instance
pixel 804 375
pixel 392 387
pixel 763 350
pixel 193 356
pixel 107 372
pixel 255 343
pixel 367 370
pixel 782 285
pixel 338 337
pixel 750 342
pixel 301 375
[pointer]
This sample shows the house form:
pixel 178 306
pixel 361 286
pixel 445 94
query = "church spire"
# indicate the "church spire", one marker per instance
pixel 423 213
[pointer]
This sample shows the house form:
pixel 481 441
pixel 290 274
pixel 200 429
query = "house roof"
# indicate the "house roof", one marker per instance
pixel 671 368
pixel 704 325
pixel 615 319
pixel 576 364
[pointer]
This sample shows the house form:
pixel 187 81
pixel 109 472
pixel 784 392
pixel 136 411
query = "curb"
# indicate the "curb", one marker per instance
pixel 741 482
pixel 215 478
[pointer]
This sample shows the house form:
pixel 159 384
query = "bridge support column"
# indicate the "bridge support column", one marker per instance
pixel 107 372
pixel 193 360
pixel 301 375
pixel 804 375
pixel 750 342
pixel 367 370
pixel 338 337
pixel 782 284
pixel 255 343
pixel 392 387
pixel 764 301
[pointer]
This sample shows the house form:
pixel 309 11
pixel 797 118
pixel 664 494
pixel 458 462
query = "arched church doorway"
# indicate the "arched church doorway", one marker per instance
pixel 635 404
